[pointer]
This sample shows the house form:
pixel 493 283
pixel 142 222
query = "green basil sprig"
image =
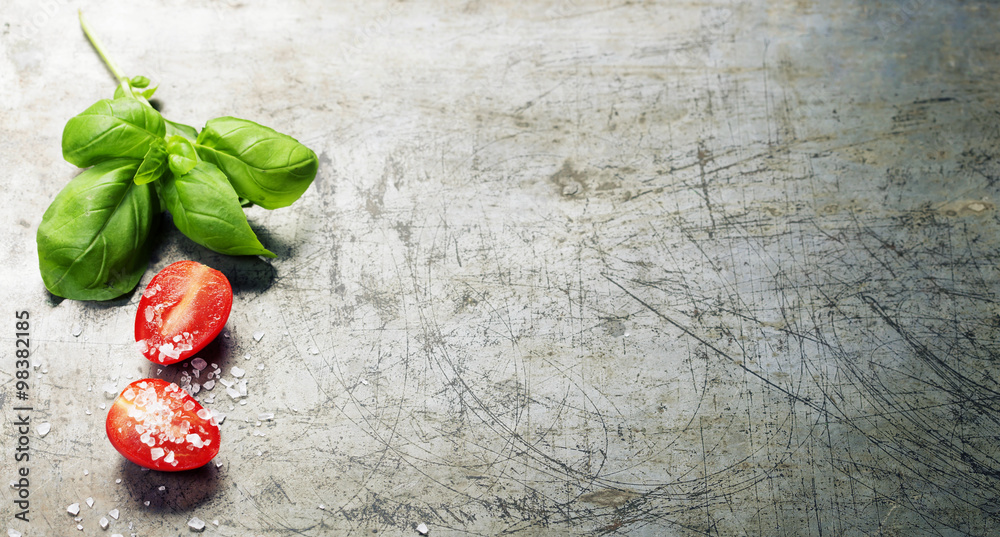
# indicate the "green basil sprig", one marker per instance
pixel 94 239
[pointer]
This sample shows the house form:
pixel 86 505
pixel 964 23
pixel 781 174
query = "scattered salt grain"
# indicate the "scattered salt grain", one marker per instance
pixel 110 391
pixel 246 356
pixel 79 527
pixel 243 388
pixel 113 514
pixel 102 406
pixel 313 351
pixel 196 524
pixel 216 522
pixel 233 393
pixel 364 381
pixel 260 366
pixel 218 416
pixel 257 336
pixel 77 329
pixel 321 506
pixel 237 372
pixel 73 509
pixel 422 529
pixel 208 385
pixel 104 523
pixel 44 429
pixel 86 472
pixel 87 412
pixel 146 503
pixel 265 416
pixel 90 502
pixel 13 533
pixel 161 488
pixel 199 363
pixel 226 383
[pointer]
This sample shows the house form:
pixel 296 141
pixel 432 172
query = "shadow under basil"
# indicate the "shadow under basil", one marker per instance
pixel 246 273
pixel 170 491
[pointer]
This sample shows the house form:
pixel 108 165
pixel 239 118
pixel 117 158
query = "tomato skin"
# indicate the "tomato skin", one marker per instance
pixel 157 425
pixel 183 308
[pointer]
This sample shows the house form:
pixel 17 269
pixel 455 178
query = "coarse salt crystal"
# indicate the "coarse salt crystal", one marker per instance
pixel 73 509
pixel 44 428
pixel 265 416
pixel 199 363
pixel 422 528
pixel 237 372
pixel 161 488
pixel 219 417
pixel 208 384
pixel 257 336
pixel 77 329
pixel 243 388
pixel 156 453
pixel 90 502
pixel 13 533
pixel 169 459
pixel 113 514
pixel 196 524
pixel 104 523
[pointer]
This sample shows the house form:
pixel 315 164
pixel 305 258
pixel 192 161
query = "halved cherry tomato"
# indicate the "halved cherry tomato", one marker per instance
pixel 183 308
pixel 157 425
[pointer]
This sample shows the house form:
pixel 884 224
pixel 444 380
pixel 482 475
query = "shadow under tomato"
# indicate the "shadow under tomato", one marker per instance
pixel 170 491
pixel 216 352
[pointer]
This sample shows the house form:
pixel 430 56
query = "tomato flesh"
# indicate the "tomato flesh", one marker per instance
pixel 157 425
pixel 183 308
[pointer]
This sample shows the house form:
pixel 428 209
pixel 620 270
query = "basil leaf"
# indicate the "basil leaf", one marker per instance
pixel 93 242
pixel 119 128
pixel 139 81
pixel 206 209
pixel 154 164
pixel 183 157
pixel 266 167
pixel 180 129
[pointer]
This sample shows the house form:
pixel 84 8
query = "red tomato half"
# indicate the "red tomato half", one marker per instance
pixel 156 424
pixel 183 308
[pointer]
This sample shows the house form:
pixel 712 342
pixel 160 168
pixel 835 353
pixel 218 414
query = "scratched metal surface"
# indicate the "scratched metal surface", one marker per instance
pixel 581 267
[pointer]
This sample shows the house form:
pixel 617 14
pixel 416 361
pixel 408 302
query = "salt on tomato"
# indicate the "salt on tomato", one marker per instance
pixel 157 425
pixel 183 308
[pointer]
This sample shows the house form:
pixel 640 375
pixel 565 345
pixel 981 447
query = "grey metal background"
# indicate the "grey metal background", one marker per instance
pixel 574 267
